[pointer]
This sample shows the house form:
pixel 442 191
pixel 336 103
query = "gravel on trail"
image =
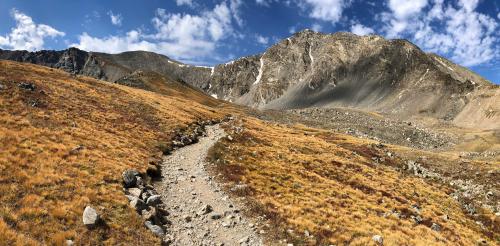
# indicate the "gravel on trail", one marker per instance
pixel 200 212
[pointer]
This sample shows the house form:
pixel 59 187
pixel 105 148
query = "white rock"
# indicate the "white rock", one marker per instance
pixel 90 216
pixel 378 239
pixel 135 192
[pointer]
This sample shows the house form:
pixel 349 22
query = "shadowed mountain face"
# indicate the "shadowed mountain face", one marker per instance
pixel 309 69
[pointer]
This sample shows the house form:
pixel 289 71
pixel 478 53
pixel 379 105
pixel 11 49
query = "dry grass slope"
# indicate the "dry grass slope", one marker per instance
pixel 44 185
pixel 328 184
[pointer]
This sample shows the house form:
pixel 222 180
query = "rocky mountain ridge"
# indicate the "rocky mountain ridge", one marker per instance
pixel 308 69
pixel 312 69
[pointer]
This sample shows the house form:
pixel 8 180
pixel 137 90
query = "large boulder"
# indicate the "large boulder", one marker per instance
pixel 90 217
pixel 130 177
pixel 153 200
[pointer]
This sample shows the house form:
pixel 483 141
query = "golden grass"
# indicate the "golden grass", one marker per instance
pixel 44 186
pixel 327 184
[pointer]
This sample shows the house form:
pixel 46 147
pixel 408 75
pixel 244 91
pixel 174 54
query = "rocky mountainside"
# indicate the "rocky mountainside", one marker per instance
pixel 111 67
pixel 310 69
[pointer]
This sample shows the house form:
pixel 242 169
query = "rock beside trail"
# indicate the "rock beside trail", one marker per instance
pixel 154 200
pixel 138 204
pixel 90 217
pixel 155 229
pixel 130 177
pixel 153 171
pixel 136 192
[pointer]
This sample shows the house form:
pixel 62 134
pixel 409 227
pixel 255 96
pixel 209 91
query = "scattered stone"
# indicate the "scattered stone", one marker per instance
pixel 70 242
pixel 154 200
pixel 90 217
pixel 155 229
pixel 136 192
pixel 138 204
pixel 205 210
pixel 216 216
pixel 75 150
pixel 2 87
pixel 230 138
pixel 130 178
pixel 149 214
pixel 27 86
pixel 306 233
pixel 435 227
pixel 378 239
pixel 244 240
pixel 418 219
pixel 187 218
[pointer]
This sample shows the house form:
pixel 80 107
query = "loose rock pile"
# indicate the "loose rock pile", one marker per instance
pixel 144 199
pixel 139 188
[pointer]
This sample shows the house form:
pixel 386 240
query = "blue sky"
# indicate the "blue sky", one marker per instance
pixel 216 31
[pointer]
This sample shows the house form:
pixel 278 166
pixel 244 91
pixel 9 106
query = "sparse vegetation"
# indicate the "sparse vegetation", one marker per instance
pixel 327 184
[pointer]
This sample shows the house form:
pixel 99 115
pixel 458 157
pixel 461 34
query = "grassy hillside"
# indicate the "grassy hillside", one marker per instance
pixel 46 182
pixel 340 189
pixel 65 141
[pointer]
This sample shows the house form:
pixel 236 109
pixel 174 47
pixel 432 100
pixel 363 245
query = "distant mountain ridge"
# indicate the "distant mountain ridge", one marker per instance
pixel 308 69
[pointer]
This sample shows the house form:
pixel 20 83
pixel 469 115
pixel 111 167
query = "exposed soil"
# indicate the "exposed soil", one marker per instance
pixel 200 212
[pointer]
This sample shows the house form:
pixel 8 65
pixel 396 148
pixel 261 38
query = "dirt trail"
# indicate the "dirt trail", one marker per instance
pixel 201 214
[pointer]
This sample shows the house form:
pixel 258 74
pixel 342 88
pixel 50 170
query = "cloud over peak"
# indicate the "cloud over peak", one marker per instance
pixel 181 36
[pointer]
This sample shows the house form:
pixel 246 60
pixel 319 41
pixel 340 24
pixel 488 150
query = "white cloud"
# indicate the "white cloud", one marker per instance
pixel 361 30
pixel 262 40
pixel 27 35
pixel 316 27
pixel 184 2
pixel 180 36
pixel 457 31
pixel 115 19
pixel 266 3
pixel 234 6
pixel 403 9
pixel 326 10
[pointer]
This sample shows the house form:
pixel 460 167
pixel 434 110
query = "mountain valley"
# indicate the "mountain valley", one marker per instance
pixel 323 139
